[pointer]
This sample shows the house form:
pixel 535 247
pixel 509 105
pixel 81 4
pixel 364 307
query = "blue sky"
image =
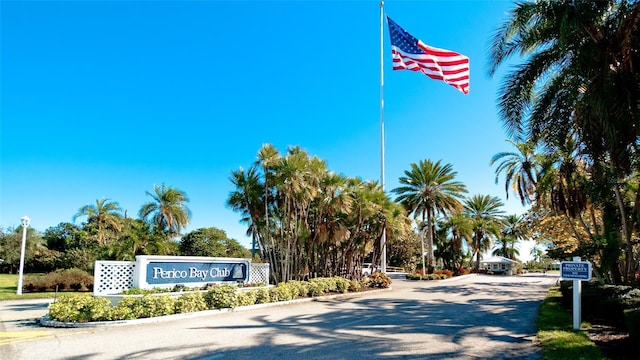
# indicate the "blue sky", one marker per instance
pixel 105 99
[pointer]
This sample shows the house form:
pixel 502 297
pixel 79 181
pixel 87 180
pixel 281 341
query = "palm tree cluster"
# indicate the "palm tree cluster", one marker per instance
pixel 166 215
pixel 307 221
pixel 571 109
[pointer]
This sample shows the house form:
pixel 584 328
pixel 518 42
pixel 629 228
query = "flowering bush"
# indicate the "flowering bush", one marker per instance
pixel 380 280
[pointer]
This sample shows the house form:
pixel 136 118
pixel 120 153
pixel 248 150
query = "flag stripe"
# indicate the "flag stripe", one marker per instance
pixel 410 53
pixel 446 67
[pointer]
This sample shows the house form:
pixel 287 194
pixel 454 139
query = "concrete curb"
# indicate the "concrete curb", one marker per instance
pixel 46 322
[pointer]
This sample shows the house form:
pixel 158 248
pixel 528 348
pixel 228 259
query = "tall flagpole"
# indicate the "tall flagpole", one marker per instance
pixel 383 239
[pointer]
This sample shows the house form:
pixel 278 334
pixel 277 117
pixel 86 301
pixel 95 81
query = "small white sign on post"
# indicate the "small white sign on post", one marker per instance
pixel 577 271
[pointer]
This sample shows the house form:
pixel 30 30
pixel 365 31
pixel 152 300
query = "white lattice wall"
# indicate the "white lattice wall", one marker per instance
pixel 112 277
pixel 259 273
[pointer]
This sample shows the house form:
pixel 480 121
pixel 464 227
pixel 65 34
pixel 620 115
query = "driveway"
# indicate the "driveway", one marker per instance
pixel 471 317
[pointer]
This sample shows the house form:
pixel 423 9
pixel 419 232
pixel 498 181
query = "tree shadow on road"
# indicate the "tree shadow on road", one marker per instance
pixel 390 328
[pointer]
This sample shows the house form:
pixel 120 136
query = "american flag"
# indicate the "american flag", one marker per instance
pixel 409 53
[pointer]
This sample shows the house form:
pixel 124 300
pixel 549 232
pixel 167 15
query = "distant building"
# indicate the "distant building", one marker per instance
pixel 500 265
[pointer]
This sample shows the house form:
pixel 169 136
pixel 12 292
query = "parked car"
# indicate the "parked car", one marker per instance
pixel 368 269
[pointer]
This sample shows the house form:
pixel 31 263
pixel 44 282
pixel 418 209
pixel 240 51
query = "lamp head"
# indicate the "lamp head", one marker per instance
pixel 25 221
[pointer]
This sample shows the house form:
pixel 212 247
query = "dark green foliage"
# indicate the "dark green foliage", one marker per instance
pixel 602 302
pixel 211 242
pixel 81 258
pixel 65 236
pixel 11 244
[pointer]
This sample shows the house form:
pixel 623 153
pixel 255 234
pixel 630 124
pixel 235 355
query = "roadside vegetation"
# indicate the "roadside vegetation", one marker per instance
pixel 8 289
pixel 87 308
pixel 555 332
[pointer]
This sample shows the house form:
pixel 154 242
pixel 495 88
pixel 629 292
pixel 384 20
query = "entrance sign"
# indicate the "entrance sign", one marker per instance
pixel 169 271
pixel 575 270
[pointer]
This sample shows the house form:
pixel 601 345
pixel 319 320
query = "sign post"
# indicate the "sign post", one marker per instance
pixel 577 271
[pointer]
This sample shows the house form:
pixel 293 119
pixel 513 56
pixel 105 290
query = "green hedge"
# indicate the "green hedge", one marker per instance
pixel 602 301
pixel 86 308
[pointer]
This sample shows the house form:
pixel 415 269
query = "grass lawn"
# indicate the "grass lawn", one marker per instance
pixel 555 331
pixel 9 286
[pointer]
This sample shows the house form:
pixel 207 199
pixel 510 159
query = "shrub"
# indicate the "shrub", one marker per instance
pixel 447 273
pixel 190 302
pixel 320 286
pixel 62 279
pixel 342 284
pixel 129 307
pixel 316 288
pixel 281 292
pixel 85 308
pixel 121 313
pixel 137 291
pixel 76 279
pixel 262 296
pixel 158 305
pixel 602 301
pixel 246 298
pixel 81 308
pixel 355 285
pixel 221 297
pixel 301 288
pixel 380 280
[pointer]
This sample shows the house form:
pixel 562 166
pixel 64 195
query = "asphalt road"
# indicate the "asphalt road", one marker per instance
pixel 472 317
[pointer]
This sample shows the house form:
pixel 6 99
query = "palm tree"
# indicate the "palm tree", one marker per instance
pixel 268 156
pixel 512 232
pixel 104 215
pixel 454 230
pixel 428 189
pixel 579 70
pixel 168 211
pixel 536 253
pixel 247 198
pixel 484 210
pixel 579 79
pixel 521 170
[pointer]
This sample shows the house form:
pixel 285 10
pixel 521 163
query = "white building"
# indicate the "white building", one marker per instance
pixel 500 265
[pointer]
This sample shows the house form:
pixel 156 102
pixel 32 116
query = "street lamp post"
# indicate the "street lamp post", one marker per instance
pixel 25 224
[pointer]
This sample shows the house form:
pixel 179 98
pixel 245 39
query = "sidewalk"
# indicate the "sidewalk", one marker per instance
pixel 16 310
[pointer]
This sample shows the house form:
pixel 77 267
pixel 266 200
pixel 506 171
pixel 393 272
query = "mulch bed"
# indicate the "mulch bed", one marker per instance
pixel 614 342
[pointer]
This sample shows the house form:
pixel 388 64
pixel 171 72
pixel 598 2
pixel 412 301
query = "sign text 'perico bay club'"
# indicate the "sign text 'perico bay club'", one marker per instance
pixel 154 271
